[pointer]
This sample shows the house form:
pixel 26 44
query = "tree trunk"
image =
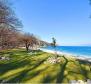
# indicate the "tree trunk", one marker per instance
pixel 27 47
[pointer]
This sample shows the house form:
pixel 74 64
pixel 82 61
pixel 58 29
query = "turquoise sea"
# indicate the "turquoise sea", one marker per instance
pixel 75 50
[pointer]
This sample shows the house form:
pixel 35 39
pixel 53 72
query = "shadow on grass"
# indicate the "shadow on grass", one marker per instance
pixel 36 51
pixel 13 52
pixel 18 52
pixel 84 71
pixel 47 79
pixel 21 75
pixel 13 65
pixel 61 76
pixel 83 61
pixel 34 74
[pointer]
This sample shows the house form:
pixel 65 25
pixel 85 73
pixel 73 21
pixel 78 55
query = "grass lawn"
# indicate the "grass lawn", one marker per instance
pixel 26 68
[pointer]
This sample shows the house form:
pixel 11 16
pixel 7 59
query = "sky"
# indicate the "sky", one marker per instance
pixel 66 20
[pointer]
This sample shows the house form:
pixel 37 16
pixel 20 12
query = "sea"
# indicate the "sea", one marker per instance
pixel 74 50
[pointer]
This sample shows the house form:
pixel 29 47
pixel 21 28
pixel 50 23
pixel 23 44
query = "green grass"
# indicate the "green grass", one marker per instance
pixel 25 68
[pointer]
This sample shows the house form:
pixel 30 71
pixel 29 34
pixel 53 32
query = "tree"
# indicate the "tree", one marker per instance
pixel 9 24
pixel 29 40
pixel 34 42
pixel 7 16
pixel 53 42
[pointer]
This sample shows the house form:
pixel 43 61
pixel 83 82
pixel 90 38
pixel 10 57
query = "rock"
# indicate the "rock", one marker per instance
pixel 4 58
pixel 53 60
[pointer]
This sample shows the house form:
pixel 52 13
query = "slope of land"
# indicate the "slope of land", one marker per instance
pixel 23 67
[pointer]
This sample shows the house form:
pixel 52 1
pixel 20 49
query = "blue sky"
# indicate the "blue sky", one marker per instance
pixel 66 20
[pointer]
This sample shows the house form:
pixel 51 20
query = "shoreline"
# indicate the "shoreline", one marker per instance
pixel 68 55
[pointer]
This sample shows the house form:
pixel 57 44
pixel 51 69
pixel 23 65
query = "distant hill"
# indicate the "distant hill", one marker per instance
pixel 44 43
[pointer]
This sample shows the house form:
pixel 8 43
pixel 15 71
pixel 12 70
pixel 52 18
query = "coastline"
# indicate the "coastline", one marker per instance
pixel 85 58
